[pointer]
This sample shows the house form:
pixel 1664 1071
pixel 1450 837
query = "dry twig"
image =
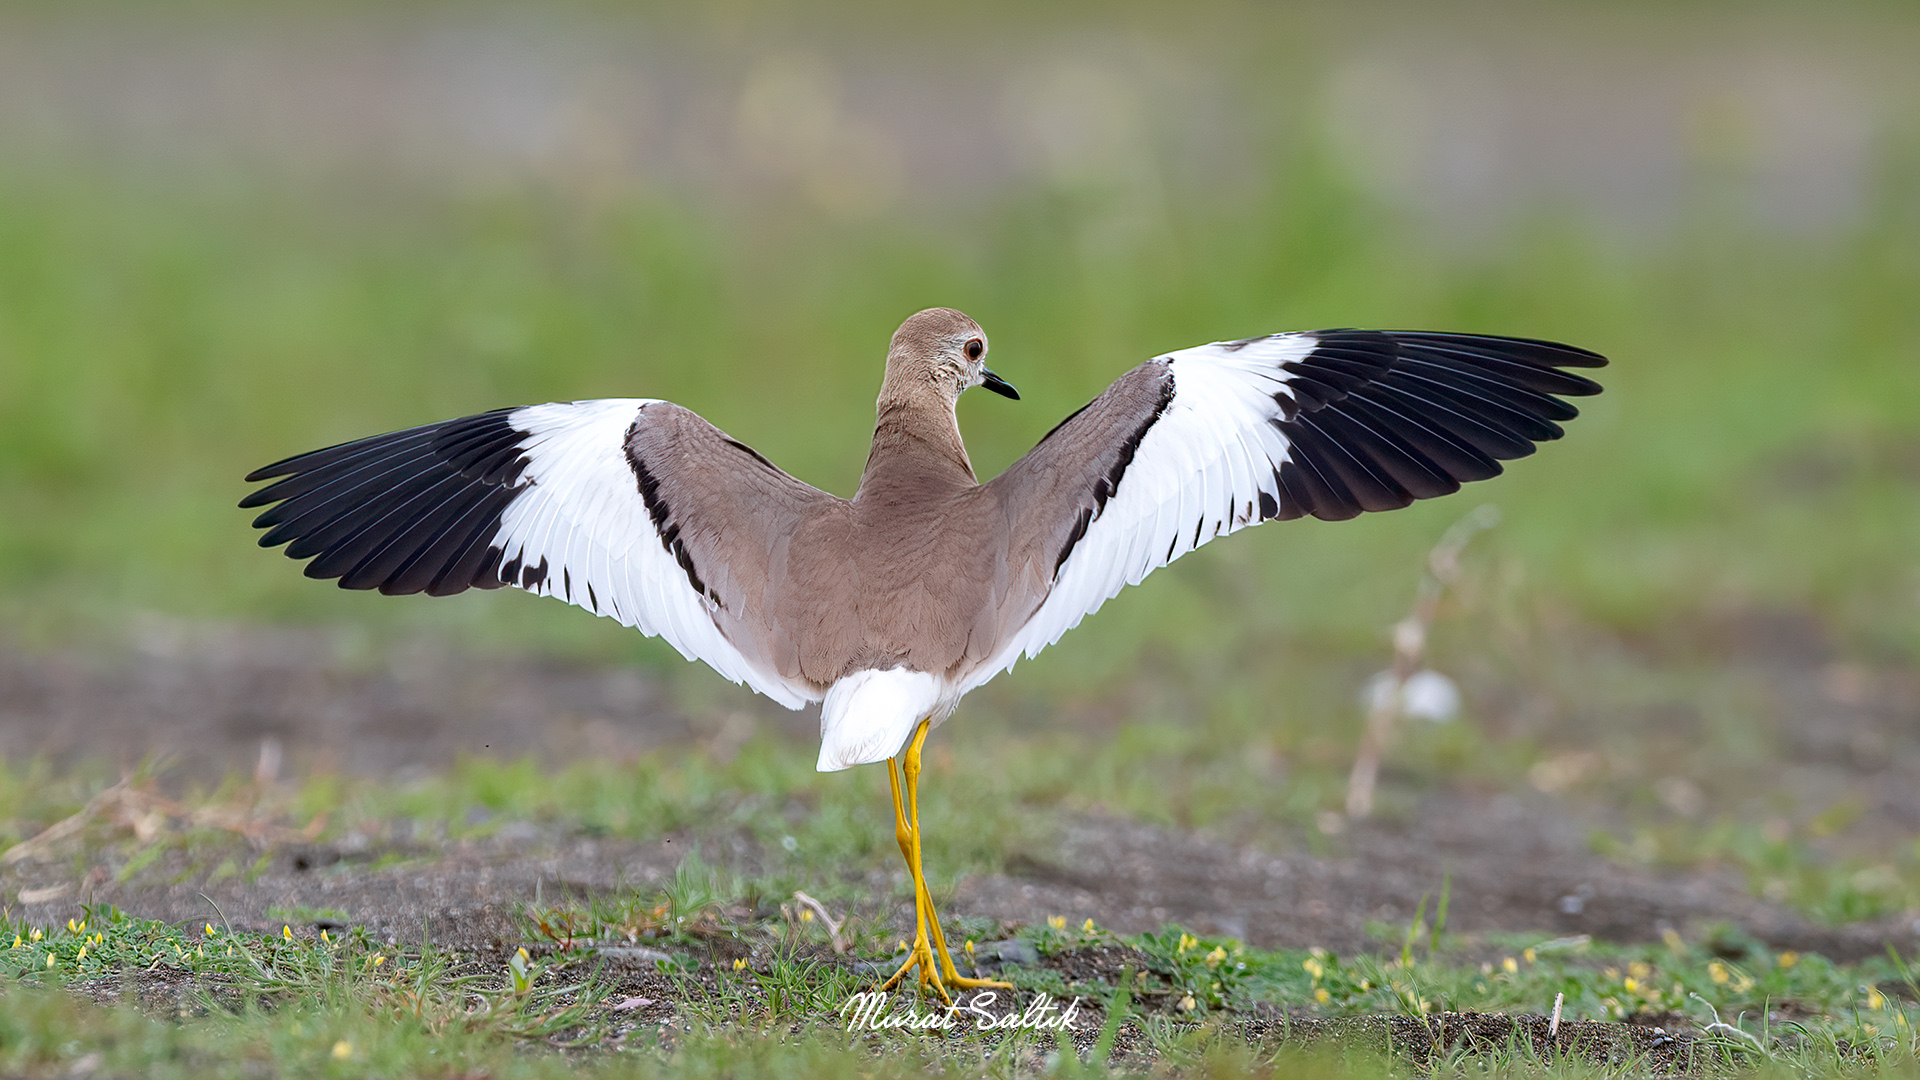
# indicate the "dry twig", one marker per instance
pixel 1409 645
pixel 833 925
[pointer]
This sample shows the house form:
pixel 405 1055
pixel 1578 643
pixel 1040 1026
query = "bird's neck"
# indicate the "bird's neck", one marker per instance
pixel 916 446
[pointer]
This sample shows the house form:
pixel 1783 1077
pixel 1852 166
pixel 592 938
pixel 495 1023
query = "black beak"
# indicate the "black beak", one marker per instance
pixel 998 385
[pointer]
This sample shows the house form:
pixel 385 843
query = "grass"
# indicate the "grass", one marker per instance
pixel 212 1001
pixel 298 1003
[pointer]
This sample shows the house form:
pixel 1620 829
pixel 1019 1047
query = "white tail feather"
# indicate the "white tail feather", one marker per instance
pixel 869 715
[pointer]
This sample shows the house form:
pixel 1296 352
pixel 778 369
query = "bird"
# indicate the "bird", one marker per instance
pixel 890 606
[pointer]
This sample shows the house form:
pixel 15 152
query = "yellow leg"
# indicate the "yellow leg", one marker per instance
pixel 920 955
pixel 929 951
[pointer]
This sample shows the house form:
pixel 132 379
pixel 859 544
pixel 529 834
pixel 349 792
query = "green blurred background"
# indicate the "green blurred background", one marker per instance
pixel 230 233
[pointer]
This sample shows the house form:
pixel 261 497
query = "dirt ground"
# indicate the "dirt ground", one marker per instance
pixel 210 697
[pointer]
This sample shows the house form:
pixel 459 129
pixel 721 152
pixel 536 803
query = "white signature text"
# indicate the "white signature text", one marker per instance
pixel 871 1011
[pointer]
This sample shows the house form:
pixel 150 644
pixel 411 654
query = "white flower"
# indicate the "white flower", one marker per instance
pixel 1426 695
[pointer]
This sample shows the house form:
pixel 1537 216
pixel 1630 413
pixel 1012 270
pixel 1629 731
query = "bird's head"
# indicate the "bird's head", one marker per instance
pixel 942 350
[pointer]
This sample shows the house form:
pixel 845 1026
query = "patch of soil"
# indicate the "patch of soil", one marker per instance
pixel 210 696
pixel 1512 863
pixel 462 896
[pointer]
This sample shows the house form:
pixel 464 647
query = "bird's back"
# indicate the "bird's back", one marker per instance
pixel 912 574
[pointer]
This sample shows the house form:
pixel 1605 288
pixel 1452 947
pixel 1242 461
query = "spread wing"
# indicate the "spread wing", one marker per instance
pixel 1205 441
pixel 631 508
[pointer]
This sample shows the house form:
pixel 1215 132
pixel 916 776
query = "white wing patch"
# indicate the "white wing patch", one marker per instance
pixel 584 518
pixel 1200 472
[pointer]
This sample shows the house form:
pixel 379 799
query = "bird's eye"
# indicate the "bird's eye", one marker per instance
pixel 975 348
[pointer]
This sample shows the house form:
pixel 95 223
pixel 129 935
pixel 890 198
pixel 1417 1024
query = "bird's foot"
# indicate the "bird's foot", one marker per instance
pixel 920 955
pixel 962 982
pixel 937 971
pixel 952 974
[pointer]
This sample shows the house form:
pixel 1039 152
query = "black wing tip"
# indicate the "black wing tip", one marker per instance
pixel 299 463
pixel 311 459
pixel 1557 353
pixel 402 512
pixel 1346 509
pixel 1561 354
pixel 279 470
pixel 1388 417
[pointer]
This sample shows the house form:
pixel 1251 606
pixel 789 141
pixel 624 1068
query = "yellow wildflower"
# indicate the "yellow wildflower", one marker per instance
pixel 1510 966
pixel 1058 922
pixel 1718 972
pixel 1216 956
pixel 1788 959
pixel 1320 995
